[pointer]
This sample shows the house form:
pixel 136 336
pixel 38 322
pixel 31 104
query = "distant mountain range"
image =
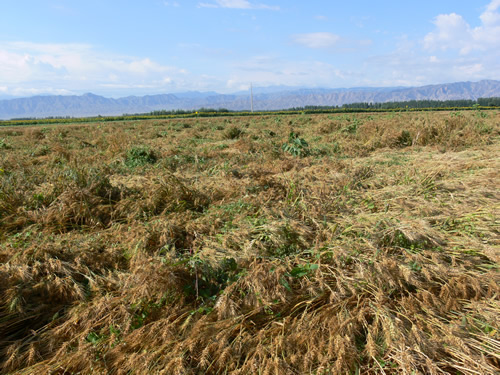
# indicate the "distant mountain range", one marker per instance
pixel 264 99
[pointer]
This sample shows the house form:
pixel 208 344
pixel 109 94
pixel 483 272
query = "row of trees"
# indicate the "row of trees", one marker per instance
pixel 483 102
pixel 164 112
pixel 415 104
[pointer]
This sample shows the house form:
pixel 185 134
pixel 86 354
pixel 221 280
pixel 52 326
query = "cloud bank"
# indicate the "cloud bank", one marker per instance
pixel 31 68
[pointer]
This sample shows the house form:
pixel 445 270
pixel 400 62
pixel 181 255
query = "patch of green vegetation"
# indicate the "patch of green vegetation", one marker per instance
pixel 233 132
pixel 296 145
pixel 352 124
pixel 207 281
pixel 4 145
pixel 404 139
pixel 162 134
pixel 140 156
pixel 41 151
pixel 303 270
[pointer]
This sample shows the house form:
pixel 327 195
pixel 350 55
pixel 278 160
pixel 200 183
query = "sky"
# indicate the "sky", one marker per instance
pixel 117 48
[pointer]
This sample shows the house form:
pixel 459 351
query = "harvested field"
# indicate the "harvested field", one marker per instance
pixel 307 244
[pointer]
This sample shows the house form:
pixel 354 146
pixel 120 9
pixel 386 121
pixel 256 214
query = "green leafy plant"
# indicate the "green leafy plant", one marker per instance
pixel 352 126
pixel 296 146
pixel 94 338
pixel 140 155
pixel 303 270
pixel 4 145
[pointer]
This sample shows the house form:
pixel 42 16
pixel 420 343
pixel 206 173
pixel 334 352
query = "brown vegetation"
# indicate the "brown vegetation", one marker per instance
pixel 308 244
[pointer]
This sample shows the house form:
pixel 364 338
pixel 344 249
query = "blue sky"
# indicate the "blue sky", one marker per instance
pixel 119 48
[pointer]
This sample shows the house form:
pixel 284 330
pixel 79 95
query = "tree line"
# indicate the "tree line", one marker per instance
pixel 460 103
pixel 410 104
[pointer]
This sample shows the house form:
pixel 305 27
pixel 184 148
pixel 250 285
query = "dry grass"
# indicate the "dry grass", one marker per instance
pixel 202 246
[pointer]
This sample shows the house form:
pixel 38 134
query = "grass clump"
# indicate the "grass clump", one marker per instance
pixel 405 139
pixel 233 132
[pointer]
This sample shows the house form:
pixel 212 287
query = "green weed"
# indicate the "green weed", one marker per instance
pixel 140 156
pixel 296 146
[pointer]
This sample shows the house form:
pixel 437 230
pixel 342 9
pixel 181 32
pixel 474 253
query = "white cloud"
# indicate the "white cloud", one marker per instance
pixel 56 67
pixel 237 4
pixel 171 4
pixel 491 17
pixel 454 33
pixel 459 52
pixel 317 40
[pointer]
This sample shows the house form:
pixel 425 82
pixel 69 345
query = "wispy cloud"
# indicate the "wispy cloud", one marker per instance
pixel 453 32
pixel 360 21
pixel 316 40
pixel 238 4
pixel 268 70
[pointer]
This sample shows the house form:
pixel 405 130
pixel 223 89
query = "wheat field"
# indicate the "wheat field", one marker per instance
pixel 306 244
